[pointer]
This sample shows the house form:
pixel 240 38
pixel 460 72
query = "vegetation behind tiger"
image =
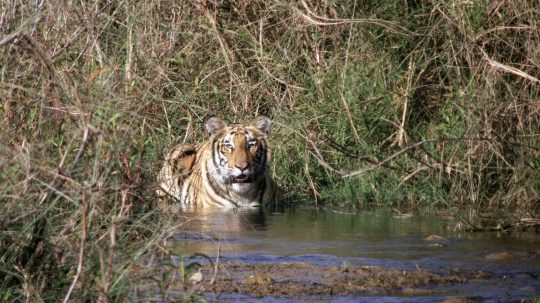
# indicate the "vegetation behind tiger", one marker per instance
pixel 414 105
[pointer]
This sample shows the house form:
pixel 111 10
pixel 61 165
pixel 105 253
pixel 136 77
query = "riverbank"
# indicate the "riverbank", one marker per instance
pixel 303 280
pixel 416 106
pixel 306 282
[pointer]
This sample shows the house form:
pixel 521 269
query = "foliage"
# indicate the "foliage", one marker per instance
pixel 424 104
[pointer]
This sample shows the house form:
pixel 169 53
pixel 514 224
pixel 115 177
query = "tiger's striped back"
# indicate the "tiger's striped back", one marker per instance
pixel 229 170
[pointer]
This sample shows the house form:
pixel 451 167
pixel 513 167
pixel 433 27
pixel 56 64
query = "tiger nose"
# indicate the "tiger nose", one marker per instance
pixel 241 166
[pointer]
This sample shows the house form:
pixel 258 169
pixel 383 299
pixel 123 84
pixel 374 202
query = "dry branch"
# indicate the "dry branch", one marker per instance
pixel 315 19
pixel 404 150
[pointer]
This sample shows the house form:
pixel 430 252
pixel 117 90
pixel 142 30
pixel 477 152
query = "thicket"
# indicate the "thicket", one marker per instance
pixel 423 104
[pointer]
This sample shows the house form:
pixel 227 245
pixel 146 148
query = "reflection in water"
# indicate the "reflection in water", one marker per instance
pixel 369 238
pixel 205 230
pixel 210 221
pixel 298 232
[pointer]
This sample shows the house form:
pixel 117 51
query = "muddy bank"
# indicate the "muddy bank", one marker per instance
pixel 304 280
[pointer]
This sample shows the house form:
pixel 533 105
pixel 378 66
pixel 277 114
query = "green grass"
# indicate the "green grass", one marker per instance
pixel 430 104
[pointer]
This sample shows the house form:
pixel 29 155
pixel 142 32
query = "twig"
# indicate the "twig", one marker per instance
pixel 20 31
pixel 362 171
pixel 9 38
pixel 89 131
pixel 343 89
pixel 314 19
pixel 38 49
pixel 342 149
pixel 508 69
pixel 523 223
pixel 81 252
pixel 349 117
pixel 222 42
pixel 317 154
pixel 129 59
pixel 401 136
pixel 217 262
pixel 109 269
pixel 75 34
pixel 265 69
pixel 57 183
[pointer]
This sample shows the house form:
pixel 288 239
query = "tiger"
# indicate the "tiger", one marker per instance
pixel 229 170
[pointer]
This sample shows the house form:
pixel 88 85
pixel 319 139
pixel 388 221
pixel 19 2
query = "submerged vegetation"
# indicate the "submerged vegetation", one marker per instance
pixel 416 104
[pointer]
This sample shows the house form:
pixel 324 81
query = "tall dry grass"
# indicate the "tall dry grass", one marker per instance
pixel 423 104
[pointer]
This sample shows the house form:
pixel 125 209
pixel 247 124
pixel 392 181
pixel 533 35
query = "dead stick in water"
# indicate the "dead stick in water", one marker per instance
pixel 217 262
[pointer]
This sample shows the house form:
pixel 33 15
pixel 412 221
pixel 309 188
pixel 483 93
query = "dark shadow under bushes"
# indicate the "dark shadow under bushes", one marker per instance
pixel 423 104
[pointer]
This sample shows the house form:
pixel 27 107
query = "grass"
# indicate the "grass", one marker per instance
pixel 418 105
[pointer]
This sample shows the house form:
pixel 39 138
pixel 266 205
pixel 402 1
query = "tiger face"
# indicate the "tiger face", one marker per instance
pixel 240 152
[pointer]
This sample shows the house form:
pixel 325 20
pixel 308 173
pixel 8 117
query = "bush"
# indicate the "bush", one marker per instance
pixel 424 104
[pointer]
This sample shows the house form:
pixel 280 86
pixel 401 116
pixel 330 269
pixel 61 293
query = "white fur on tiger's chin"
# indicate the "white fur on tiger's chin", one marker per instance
pixel 242 188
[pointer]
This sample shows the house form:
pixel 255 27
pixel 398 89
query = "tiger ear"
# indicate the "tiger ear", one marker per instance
pixel 214 125
pixel 262 123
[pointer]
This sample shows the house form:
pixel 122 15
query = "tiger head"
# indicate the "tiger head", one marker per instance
pixel 239 152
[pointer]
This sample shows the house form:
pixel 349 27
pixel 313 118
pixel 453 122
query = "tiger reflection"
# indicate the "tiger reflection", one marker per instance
pixel 205 231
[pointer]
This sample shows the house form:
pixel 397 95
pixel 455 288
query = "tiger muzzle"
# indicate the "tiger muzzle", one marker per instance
pixel 242 173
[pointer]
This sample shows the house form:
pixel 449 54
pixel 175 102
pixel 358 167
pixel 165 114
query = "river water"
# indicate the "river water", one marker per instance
pixel 374 238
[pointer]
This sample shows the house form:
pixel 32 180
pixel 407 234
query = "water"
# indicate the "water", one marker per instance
pixel 370 238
